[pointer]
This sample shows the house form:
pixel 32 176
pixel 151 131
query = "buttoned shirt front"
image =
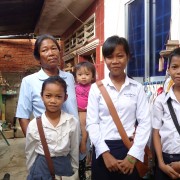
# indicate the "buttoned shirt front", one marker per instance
pixel 162 120
pixel 131 105
pixel 62 139
pixel 30 99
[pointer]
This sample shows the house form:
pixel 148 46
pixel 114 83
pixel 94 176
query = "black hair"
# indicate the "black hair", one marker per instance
pixel 90 66
pixel 111 43
pixel 175 52
pixel 39 41
pixel 54 80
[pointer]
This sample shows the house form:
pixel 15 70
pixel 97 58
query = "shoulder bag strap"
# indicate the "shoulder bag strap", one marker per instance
pixel 114 114
pixel 173 115
pixel 45 147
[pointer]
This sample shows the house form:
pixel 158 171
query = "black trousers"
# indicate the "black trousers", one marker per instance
pixel 82 169
pixel 168 158
pixel 99 170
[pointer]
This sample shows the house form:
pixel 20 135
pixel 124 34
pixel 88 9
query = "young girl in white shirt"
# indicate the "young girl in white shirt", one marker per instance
pixel 111 159
pixel 165 135
pixel 61 132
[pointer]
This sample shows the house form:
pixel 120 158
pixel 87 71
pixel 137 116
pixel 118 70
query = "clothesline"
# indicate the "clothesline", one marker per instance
pixel 153 83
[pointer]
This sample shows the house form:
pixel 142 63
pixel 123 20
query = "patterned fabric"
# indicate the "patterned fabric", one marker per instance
pixel 82 169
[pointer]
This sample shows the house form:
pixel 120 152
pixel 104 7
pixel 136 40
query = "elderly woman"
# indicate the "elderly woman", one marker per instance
pixel 47 52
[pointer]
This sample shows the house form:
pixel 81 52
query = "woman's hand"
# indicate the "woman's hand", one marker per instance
pixel 175 166
pixel 111 163
pixel 127 165
pixel 167 169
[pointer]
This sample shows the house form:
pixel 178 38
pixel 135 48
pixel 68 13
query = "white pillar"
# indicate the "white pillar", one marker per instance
pixel 114 20
pixel 175 20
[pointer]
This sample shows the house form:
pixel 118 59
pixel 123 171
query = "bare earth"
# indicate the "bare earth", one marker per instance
pixel 12 159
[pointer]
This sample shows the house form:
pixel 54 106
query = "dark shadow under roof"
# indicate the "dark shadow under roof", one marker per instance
pixel 19 17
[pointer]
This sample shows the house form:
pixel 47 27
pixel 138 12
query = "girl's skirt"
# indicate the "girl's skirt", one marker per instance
pixel 40 171
pixel 99 170
pixel 168 158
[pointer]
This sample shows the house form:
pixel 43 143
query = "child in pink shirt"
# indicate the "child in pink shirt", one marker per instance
pixel 85 75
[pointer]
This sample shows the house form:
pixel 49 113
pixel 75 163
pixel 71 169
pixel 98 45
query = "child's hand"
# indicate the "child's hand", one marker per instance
pixel 175 166
pixel 167 169
pixel 83 147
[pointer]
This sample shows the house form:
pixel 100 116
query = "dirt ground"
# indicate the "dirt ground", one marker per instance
pixel 12 159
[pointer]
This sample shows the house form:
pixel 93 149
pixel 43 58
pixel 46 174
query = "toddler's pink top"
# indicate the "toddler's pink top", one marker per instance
pixel 82 92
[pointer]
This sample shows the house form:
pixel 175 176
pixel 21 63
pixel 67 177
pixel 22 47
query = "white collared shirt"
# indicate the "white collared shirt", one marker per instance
pixel 30 95
pixel 131 105
pixel 62 139
pixel 170 138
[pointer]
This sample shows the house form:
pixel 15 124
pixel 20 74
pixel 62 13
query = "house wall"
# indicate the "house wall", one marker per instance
pixel 16 61
pixel 10 99
pixel 114 21
pixel 96 7
pixel 175 20
pixel 16 55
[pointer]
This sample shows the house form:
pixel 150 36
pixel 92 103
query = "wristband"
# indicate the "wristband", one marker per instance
pixel 132 161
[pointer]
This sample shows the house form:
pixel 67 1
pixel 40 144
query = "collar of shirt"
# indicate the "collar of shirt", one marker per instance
pixel 63 118
pixel 128 80
pixel 43 76
pixel 86 86
pixel 170 94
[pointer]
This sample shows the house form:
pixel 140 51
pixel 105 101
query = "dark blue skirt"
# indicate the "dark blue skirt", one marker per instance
pixel 168 158
pixel 40 171
pixel 99 170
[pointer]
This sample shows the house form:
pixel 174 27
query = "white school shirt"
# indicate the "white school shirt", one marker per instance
pixel 170 138
pixel 62 139
pixel 131 104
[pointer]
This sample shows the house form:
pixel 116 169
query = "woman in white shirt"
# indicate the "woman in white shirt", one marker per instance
pixel 111 159
pixel 165 135
pixel 61 131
